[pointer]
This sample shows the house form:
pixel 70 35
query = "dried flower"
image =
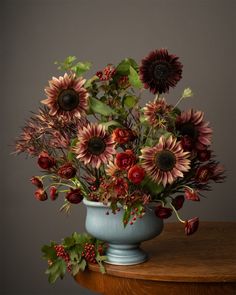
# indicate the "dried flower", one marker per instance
pixel 191 194
pixel 163 212
pixel 53 193
pixel 67 171
pixel 75 196
pixel 178 202
pixel 191 226
pixel 36 181
pixel 45 161
pixel 40 195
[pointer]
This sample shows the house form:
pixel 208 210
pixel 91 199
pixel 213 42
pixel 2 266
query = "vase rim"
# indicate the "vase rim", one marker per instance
pixel 100 204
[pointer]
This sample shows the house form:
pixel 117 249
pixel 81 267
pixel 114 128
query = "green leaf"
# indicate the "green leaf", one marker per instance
pixel 163 132
pixel 89 82
pixel 68 242
pixel 100 107
pixel 49 252
pixel 81 67
pixel 152 187
pixel 130 101
pixel 56 270
pixel 123 67
pixel 82 265
pixel 134 78
pixel 73 255
pixel 126 216
pixel 111 123
pixel 76 237
pixel 75 269
pixel 100 260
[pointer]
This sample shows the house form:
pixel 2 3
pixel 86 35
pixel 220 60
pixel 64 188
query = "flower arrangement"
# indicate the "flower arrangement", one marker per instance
pixel 93 139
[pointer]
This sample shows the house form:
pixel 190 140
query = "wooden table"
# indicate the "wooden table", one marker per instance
pixel 201 264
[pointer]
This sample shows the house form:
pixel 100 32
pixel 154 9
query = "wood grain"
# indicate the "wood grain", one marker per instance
pixel 204 262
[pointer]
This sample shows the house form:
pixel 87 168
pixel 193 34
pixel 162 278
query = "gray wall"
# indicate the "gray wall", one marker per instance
pixel 36 33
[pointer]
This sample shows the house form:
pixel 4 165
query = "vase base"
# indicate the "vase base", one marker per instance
pixel 125 254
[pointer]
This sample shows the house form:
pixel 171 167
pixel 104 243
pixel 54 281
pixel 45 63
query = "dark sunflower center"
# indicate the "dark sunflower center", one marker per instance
pixel 68 100
pixel 161 71
pixel 188 129
pixel 96 146
pixel 165 160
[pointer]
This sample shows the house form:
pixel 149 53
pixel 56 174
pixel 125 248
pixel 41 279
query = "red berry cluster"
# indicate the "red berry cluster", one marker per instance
pixel 89 253
pixel 136 214
pixel 107 73
pixel 61 252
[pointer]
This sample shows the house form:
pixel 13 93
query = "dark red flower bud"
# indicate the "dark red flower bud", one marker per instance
pixel 41 195
pixel 53 193
pixel 204 155
pixel 75 196
pixel 120 135
pixel 163 212
pixel 45 161
pixel 187 143
pixel 191 194
pixel 203 174
pixel 67 171
pixel 36 181
pixel 191 226
pixel 178 202
pixel 125 160
pixel 136 174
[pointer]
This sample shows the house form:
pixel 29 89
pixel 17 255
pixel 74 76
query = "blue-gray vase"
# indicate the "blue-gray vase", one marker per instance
pixel 123 243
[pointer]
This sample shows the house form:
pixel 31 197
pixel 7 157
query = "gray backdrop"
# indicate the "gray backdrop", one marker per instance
pixel 36 33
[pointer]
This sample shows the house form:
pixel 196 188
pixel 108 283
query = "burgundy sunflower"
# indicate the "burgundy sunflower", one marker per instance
pixel 166 161
pixel 95 146
pixel 160 70
pixel 66 96
pixel 191 126
pixel 156 112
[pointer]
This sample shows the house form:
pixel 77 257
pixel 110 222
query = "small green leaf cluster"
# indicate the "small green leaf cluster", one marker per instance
pixel 70 64
pixel 74 247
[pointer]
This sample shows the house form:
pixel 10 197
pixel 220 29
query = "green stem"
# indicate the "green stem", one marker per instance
pixel 178 102
pixel 176 213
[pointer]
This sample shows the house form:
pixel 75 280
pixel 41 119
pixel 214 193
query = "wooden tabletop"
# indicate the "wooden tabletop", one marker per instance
pixel 204 262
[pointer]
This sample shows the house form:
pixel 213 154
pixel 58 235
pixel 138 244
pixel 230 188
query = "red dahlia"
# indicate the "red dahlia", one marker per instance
pixel 125 160
pixel 136 174
pixel 160 70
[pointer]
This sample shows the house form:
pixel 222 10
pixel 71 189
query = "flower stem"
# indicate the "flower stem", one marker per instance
pixel 176 213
